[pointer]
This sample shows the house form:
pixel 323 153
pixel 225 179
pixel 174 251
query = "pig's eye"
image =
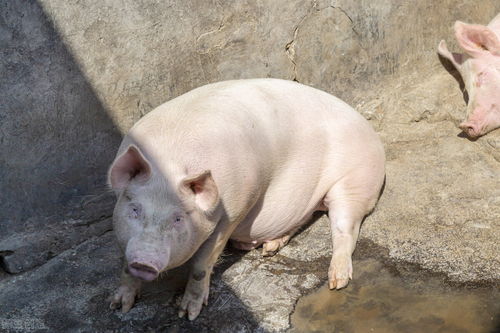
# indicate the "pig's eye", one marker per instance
pixel 134 211
pixel 178 219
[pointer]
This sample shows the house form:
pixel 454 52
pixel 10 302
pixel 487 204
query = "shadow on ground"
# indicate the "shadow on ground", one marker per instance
pixel 70 294
pixel 57 142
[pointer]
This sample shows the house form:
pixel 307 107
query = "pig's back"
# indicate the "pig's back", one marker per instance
pixel 274 145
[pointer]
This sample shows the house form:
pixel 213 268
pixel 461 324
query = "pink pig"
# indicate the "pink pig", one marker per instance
pixel 247 161
pixel 480 70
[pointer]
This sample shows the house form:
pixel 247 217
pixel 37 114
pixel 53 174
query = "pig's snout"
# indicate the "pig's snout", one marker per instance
pixel 143 271
pixel 471 129
pixel 146 259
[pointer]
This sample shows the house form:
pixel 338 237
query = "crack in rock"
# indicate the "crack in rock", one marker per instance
pixel 290 46
pixel 3 254
pixel 349 17
pixel 204 49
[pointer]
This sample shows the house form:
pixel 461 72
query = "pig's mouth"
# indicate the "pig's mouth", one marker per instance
pixel 143 271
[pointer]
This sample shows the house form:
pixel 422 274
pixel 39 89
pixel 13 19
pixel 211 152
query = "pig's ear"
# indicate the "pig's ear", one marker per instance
pixel 202 189
pixel 129 165
pixel 476 39
pixel 495 23
pixel 455 58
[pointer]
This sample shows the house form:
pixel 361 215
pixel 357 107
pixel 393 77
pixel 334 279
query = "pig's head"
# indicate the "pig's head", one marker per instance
pixel 480 70
pixel 159 223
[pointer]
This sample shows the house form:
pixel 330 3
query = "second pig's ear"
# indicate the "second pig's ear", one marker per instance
pixel 129 165
pixel 477 39
pixel 203 190
pixel 455 58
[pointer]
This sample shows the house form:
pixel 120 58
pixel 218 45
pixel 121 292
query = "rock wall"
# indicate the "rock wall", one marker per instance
pixel 76 75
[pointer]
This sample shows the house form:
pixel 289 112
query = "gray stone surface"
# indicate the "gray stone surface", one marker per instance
pixel 76 75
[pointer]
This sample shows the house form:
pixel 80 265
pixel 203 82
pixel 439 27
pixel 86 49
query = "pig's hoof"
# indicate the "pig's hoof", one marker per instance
pixel 272 247
pixel 340 271
pixel 192 302
pixel 124 298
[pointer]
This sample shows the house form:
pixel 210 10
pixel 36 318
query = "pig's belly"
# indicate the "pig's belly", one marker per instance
pixel 270 219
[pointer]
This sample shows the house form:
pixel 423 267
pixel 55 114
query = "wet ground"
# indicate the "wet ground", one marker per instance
pixel 383 299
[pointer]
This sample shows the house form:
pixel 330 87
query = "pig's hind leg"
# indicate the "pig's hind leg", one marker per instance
pixel 270 248
pixel 348 202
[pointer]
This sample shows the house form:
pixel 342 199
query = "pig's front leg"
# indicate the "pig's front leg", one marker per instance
pixel 197 288
pixel 125 295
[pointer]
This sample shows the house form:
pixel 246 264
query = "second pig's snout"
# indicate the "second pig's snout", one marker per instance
pixel 471 129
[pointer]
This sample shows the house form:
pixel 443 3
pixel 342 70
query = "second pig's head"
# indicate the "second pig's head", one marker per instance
pixel 480 71
pixel 159 223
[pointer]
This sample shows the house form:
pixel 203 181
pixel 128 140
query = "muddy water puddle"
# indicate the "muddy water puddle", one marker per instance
pixel 381 299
